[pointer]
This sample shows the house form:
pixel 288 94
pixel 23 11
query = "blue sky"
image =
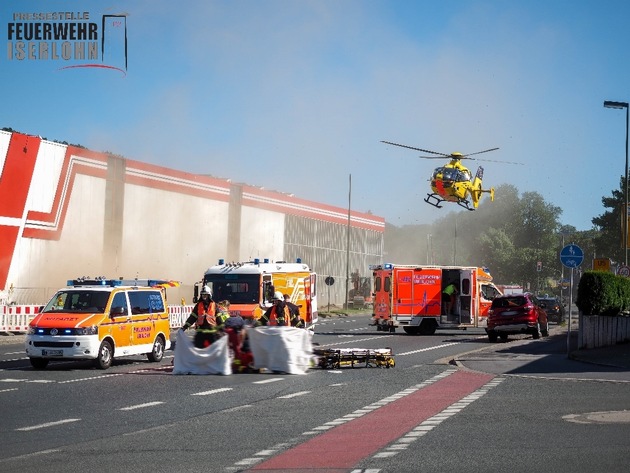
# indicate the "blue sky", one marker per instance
pixel 295 96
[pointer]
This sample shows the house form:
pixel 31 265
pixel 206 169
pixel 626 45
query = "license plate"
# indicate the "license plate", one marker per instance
pixel 509 312
pixel 52 352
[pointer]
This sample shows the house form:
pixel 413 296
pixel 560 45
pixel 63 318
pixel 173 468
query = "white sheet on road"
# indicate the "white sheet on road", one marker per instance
pixel 191 360
pixel 286 349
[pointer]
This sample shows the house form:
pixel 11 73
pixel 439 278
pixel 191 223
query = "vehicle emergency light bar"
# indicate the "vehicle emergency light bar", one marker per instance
pixel 256 261
pixel 102 281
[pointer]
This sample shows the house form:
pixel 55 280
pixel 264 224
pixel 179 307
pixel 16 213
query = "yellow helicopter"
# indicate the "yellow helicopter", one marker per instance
pixel 453 182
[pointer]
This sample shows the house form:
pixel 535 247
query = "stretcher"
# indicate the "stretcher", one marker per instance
pixel 332 358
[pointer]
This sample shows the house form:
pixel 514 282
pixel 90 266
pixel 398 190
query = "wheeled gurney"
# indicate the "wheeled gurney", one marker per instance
pixel 331 358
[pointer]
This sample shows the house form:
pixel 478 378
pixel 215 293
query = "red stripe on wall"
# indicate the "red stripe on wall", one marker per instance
pixel 17 174
pixel 8 239
pixel 60 204
pixel 15 183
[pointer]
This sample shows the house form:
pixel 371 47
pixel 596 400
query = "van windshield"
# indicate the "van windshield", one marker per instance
pixel 86 301
pixel 236 288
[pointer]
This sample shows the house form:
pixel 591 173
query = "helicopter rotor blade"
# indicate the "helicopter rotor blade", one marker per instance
pixel 479 152
pixel 495 161
pixel 416 149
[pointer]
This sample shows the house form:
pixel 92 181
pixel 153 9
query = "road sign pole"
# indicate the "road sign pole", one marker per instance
pixel 569 319
pixel 571 256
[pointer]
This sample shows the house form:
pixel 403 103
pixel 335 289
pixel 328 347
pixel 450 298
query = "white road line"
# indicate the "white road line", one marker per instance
pixel 212 391
pixel 90 379
pixel 436 347
pixel 289 396
pixel 265 381
pixel 140 406
pixel 47 424
pixel 7 390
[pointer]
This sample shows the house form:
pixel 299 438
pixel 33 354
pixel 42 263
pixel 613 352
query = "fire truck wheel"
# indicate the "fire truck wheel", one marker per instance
pixel 428 327
pixel 411 330
pixel 105 356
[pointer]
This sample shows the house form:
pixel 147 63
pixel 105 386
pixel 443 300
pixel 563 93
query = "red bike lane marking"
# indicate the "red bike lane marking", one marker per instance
pixel 341 448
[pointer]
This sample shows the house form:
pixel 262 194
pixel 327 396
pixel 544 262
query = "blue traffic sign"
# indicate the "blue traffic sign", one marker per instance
pixel 571 256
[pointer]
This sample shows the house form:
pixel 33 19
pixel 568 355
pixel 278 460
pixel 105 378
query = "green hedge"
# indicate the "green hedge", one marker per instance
pixel 601 293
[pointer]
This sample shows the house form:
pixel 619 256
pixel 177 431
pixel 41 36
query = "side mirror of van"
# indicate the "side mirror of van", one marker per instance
pixel 117 311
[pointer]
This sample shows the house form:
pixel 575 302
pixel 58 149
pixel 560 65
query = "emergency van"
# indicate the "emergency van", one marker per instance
pixel 410 296
pixel 101 319
pixel 249 287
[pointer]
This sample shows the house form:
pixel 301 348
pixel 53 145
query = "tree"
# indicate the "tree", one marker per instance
pixel 609 239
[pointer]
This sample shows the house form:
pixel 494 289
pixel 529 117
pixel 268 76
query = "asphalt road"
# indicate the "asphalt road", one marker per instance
pixel 453 402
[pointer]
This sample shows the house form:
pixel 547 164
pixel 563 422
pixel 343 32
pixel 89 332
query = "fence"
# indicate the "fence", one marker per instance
pixel 601 331
pixel 15 318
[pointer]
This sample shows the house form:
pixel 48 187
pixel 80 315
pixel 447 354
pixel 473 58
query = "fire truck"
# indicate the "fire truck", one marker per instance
pixel 249 287
pixel 410 296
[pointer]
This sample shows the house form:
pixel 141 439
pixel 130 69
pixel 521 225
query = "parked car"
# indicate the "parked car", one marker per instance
pixel 553 307
pixel 516 314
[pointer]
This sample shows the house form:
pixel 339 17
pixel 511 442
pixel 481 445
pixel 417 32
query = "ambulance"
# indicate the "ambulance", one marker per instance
pixel 249 287
pixel 101 319
pixel 410 296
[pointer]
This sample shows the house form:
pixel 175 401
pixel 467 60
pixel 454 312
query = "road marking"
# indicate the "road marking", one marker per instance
pixel 7 390
pixel 436 347
pixel 47 424
pixel 92 378
pixel 212 391
pixel 265 381
pixel 289 396
pixel 140 406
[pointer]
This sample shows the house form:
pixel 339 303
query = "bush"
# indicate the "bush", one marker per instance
pixel 601 293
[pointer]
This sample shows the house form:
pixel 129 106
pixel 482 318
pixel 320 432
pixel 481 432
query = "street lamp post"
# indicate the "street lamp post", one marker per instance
pixel 622 105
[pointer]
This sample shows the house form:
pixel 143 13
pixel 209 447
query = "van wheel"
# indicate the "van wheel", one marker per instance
pixel 504 337
pixel 105 356
pixel 492 336
pixel 39 363
pixel 158 350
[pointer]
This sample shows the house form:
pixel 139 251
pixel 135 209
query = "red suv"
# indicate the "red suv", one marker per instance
pixel 514 314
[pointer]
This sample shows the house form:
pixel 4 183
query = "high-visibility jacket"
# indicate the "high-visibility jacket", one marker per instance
pixel 206 315
pixel 273 317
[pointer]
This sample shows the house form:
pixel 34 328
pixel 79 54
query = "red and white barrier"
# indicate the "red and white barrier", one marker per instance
pixel 15 318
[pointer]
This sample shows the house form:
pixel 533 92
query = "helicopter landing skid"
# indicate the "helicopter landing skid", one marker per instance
pixel 464 203
pixel 434 200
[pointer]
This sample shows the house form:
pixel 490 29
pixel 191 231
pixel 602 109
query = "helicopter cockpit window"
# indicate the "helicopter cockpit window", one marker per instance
pixel 463 175
pixel 437 172
pixel 450 174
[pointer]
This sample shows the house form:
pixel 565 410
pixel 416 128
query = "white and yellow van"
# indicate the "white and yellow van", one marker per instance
pixel 101 319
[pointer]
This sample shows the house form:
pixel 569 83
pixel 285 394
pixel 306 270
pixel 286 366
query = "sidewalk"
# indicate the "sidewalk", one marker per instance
pixel 617 356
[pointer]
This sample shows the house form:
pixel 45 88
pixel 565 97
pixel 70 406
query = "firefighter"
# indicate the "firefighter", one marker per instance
pixel 278 313
pixel 296 320
pixel 449 296
pixel 205 319
pixel 223 313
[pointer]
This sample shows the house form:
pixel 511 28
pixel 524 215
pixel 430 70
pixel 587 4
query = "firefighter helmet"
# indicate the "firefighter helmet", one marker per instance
pixel 206 290
pixel 277 296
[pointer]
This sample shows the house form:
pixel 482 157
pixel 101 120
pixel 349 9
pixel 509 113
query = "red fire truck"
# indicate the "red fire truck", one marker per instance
pixel 410 296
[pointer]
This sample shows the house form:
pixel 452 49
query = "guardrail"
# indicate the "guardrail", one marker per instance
pixel 15 318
